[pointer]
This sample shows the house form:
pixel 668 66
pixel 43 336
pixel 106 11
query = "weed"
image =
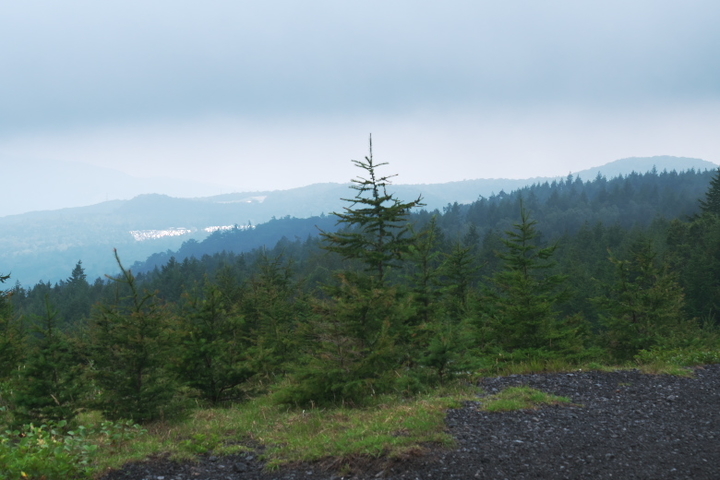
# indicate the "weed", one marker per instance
pixel 520 398
pixel 391 426
pixel 52 452
pixel 679 357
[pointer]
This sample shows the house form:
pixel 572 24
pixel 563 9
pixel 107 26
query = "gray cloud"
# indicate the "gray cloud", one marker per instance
pixel 85 62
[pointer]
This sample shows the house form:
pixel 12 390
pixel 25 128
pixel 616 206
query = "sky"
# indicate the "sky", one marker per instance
pixel 280 94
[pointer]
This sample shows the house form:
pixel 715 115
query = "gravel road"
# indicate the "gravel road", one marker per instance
pixel 621 425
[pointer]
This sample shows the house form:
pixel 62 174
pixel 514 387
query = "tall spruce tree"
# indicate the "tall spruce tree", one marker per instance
pixel 48 386
pixel 11 335
pixel 376 230
pixel 520 305
pixel 129 346
pixel 212 356
pixel 644 307
pixel 357 332
pixel 424 277
pixel 273 306
pixel 711 203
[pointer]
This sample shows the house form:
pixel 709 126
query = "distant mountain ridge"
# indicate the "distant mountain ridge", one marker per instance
pixel 326 197
pixel 45 245
pixel 36 185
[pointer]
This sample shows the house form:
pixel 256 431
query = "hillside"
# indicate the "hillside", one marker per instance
pixel 614 272
pixel 45 245
pixel 51 185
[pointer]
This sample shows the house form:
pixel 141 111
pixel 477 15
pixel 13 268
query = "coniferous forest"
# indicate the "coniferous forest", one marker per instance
pixel 382 297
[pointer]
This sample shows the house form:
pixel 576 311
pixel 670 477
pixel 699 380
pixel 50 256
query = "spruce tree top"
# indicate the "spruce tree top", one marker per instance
pixel 711 204
pixel 376 230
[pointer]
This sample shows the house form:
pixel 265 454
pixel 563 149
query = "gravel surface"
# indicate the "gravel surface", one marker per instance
pixel 621 425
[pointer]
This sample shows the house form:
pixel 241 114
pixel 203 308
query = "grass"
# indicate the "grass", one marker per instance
pixel 393 427
pixel 520 398
pixel 654 365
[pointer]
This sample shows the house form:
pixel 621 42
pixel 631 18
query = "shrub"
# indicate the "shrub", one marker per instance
pixel 51 452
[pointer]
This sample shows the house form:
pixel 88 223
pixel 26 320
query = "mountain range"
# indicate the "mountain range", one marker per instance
pixel 45 245
pixel 32 185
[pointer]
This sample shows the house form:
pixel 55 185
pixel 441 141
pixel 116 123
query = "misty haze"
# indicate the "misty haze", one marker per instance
pixel 310 240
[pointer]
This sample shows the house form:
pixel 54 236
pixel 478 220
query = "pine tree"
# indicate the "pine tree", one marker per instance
pixel 48 386
pixel 11 335
pixel 129 343
pixel 212 354
pixel 425 261
pixel 448 336
pixel 376 230
pixel 711 204
pixel 272 307
pixel 353 351
pixel 75 300
pixel 520 306
pixel 357 333
pixel 458 272
pixel 645 305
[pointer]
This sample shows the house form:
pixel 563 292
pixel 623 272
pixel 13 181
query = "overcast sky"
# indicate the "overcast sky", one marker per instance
pixel 277 94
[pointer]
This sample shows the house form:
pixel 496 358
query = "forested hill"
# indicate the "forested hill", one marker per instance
pixel 46 245
pixel 569 273
pixel 560 207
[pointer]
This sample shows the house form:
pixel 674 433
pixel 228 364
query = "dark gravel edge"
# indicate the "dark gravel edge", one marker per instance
pixel 622 424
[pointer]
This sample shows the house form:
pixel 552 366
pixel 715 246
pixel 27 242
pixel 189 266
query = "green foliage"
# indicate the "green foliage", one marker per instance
pixel 680 356
pixel 54 452
pixel 711 203
pixel 273 306
pixel 12 336
pixel 519 308
pixel 424 261
pixel 645 305
pixel 129 350
pixel 520 398
pixel 354 349
pixel 376 231
pixel 447 352
pixel 211 355
pixel 46 453
pixel 458 273
pixel 48 386
pixel 694 254
pixel 200 443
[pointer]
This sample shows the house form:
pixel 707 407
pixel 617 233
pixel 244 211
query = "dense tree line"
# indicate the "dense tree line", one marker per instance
pixel 384 299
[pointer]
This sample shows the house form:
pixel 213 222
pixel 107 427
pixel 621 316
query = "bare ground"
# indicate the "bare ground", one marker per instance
pixel 621 425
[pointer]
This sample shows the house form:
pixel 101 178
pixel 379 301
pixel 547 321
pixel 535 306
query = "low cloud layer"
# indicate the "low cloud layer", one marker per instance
pixel 286 92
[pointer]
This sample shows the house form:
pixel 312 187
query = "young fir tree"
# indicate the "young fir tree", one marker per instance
pixel 356 335
pixel 352 352
pixel 212 354
pixel 11 336
pixel 458 272
pixel 450 338
pixel 695 255
pixel 376 231
pixel 520 307
pixel 48 386
pixel 273 306
pixel 644 307
pixel 76 301
pixel 424 260
pixel 711 203
pixel 129 348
